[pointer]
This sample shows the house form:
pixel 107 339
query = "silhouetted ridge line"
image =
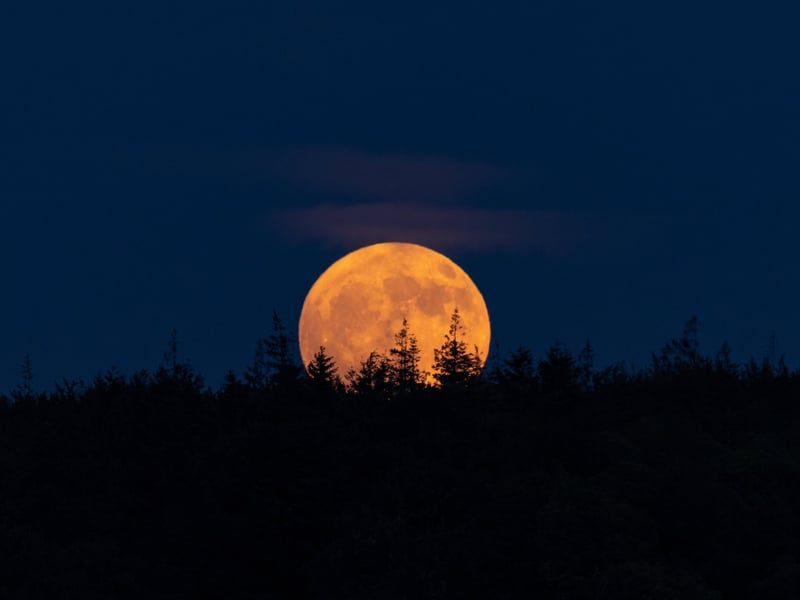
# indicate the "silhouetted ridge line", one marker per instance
pixel 541 476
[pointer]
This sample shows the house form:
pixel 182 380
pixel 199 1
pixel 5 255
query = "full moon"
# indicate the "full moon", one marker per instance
pixel 358 305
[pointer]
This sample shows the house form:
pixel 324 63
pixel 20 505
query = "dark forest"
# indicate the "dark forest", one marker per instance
pixel 537 476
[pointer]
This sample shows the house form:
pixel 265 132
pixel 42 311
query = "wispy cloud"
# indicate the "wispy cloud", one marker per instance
pixel 442 227
pixel 364 198
pixel 382 177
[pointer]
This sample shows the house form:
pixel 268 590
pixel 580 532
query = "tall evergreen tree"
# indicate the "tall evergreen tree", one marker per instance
pixel 232 387
pixel 283 370
pixel 273 365
pixel 323 372
pixel 256 376
pixel 24 389
pixel 681 354
pixel 173 372
pixel 558 371
pixel 171 355
pixel 405 357
pixel 373 378
pixel 723 363
pixel 454 365
pixel 518 368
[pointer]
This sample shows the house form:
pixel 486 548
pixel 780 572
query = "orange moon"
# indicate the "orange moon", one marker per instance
pixel 358 305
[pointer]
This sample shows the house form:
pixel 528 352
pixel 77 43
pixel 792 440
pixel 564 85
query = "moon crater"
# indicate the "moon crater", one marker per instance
pixel 402 286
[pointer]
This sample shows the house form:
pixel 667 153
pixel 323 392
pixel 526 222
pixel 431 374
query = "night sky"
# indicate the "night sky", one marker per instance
pixel 601 171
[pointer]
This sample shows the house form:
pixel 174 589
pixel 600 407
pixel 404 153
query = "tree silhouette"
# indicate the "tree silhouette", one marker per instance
pixel 517 369
pixel 68 391
pixel 24 390
pixel 558 371
pixel 405 357
pixel 372 379
pixel 174 374
pixel 723 363
pixel 769 368
pixel 284 371
pixel 454 366
pixel 170 360
pixel 776 366
pixel 646 485
pixel 256 376
pixel 232 386
pixel 273 365
pixel 680 354
pixel 323 372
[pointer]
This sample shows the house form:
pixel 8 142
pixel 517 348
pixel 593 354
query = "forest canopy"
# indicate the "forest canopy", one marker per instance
pixel 538 474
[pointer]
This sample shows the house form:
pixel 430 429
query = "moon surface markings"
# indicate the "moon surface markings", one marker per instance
pixel 358 304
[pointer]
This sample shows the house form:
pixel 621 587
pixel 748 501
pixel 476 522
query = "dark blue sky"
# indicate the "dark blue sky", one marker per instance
pixel 601 170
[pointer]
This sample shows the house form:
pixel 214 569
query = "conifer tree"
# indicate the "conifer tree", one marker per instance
pixel 518 368
pixel 373 378
pixel 273 365
pixel 24 390
pixel 454 365
pixel 681 354
pixel 723 363
pixel 171 355
pixel 283 371
pixel 173 372
pixel 68 390
pixel 256 376
pixel 232 387
pixel 558 371
pixel 323 372
pixel 405 356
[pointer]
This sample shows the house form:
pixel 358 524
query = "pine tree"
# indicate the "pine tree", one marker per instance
pixel 454 365
pixel 24 390
pixel 723 363
pixel 681 354
pixel 283 371
pixel 518 369
pixel 558 371
pixel 323 373
pixel 373 378
pixel 405 358
pixel 68 390
pixel 171 355
pixel 273 365
pixel 232 387
pixel 256 376
pixel 175 373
